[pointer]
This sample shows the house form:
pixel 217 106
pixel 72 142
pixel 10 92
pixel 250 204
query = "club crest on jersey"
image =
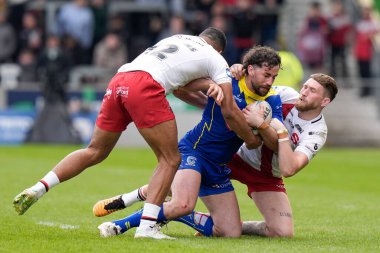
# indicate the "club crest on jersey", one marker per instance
pixel 122 91
pixel 191 160
pixel 238 98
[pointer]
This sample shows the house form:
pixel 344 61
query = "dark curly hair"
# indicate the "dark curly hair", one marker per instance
pixel 261 55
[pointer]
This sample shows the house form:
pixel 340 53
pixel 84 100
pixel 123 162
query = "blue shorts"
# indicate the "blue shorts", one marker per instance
pixel 215 177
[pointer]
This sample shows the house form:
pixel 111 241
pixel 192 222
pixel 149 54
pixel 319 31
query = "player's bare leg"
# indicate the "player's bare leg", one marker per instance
pixel 101 144
pixel 185 189
pixel 163 140
pixel 277 213
pixel 227 222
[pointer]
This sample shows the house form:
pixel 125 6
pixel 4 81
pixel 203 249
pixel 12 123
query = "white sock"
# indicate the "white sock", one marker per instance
pixel 50 180
pixel 133 197
pixel 39 188
pixel 149 215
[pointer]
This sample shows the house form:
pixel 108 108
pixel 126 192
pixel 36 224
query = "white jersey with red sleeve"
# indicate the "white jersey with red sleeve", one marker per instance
pixel 306 136
pixel 175 61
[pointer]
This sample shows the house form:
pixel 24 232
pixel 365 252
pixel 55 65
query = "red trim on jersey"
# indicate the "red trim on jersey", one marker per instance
pixel 286 108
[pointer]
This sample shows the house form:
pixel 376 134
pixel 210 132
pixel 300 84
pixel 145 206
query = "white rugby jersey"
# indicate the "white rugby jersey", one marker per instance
pixel 180 59
pixel 306 136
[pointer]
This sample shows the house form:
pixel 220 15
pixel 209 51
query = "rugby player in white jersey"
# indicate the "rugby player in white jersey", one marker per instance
pixel 137 94
pixel 302 135
pixel 262 169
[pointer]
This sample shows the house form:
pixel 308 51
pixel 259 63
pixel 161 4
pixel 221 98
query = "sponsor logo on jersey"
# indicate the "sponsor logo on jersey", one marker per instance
pixel 322 134
pixel 191 160
pixel 313 148
pixel 295 138
pixel 122 91
pixel 299 128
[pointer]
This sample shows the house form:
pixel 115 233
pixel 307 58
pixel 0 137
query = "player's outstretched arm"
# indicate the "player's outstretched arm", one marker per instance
pixel 197 99
pixel 197 91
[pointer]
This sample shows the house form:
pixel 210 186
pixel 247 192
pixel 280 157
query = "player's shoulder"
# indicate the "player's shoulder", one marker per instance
pixel 287 94
pixel 319 122
pixel 315 126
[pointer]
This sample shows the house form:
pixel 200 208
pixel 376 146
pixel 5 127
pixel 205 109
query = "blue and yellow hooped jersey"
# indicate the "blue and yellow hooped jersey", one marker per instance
pixel 212 138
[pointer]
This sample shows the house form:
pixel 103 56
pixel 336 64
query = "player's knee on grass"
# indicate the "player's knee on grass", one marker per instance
pixel 281 231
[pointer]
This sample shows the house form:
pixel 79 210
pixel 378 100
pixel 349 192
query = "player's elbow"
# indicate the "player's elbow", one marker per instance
pixel 288 172
pixel 253 143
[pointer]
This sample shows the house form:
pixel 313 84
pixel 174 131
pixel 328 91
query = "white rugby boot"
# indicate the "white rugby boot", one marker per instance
pixel 153 232
pixel 109 229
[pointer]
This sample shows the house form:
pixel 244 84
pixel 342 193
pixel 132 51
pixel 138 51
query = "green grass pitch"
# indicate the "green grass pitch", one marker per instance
pixel 335 200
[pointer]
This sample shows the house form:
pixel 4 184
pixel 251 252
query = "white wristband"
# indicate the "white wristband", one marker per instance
pixel 283 139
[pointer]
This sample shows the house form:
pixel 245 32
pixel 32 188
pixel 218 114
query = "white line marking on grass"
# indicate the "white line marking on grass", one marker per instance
pixel 61 226
pixel 46 223
pixel 349 206
pixel 68 226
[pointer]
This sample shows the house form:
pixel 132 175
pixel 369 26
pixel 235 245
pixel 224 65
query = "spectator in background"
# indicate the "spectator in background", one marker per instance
pixel 30 36
pixel 28 64
pixel 100 11
pixel 220 22
pixel 8 39
pixel 177 25
pixel 76 19
pixel 365 29
pixel 311 42
pixel 72 50
pixel 243 19
pixel 110 52
pixel 269 21
pixel 291 72
pixel 340 26
pixel 116 24
pixel 198 14
pixel 53 68
pixel 156 25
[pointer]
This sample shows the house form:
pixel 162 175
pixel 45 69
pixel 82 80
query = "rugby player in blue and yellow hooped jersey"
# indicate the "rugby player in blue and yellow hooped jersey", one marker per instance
pixel 205 151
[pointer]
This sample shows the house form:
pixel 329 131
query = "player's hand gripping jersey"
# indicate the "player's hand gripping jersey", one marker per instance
pixel 211 138
pixel 180 59
pixel 306 136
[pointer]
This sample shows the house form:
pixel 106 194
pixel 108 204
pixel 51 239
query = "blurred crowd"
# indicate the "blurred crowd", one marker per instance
pixel 91 32
pixel 334 37
pixel 95 33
